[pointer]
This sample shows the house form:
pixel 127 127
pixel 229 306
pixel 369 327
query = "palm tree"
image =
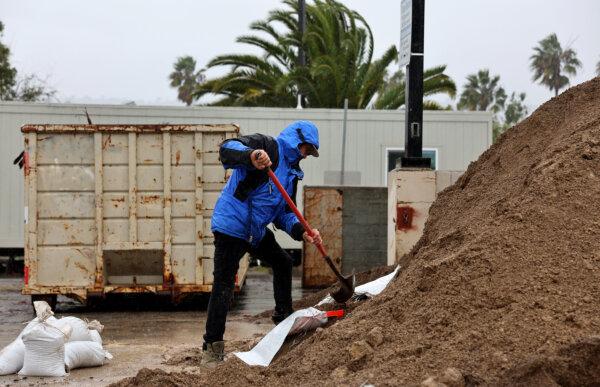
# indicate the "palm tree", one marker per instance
pixel 185 78
pixel 392 94
pixel 515 110
pixel 339 48
pixel 482 92
pixel 550 63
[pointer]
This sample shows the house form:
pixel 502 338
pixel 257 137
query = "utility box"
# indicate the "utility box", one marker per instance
pixel 121 208
pixel 353 224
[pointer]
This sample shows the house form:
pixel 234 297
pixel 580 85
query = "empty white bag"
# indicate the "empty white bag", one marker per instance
pixel 79 354
pixel 45 350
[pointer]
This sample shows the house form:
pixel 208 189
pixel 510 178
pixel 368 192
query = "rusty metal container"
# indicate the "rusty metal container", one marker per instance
pixel 121 208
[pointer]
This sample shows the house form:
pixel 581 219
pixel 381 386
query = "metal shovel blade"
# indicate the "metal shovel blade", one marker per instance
pixel 346 290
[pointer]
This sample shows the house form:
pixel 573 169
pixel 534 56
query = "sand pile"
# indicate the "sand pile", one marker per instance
pixel 503 286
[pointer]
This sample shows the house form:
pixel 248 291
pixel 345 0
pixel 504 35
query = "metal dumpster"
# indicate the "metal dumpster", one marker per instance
pixel 121 208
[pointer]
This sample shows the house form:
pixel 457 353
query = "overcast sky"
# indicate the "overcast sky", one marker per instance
pixel 114 51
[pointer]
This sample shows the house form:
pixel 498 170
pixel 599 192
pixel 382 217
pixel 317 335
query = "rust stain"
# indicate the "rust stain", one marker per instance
pixel 80 267
pixel 148 199
pixel 404 217
pixel 177 158
pixel 148 128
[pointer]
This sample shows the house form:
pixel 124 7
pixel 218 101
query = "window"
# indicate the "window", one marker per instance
pixel 394 154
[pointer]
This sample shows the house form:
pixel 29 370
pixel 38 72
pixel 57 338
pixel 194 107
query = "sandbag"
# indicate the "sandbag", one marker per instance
pixel 45 350
pixel 79 354
pixel 80 328
pixel 96 338
pixel 11 356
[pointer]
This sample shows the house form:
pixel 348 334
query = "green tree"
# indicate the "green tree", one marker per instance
pixel 31 89
pixel 392 93
pixel 339 48
pixel 28 88
pixel 515 109
pixel 482 92
pixel 8 73
pixel 551 65
pixel 185 78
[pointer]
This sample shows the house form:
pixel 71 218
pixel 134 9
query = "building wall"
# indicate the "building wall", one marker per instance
pixel 459 137
pixel 364 228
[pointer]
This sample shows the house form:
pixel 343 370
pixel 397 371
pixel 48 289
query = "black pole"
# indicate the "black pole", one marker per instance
pixel 301 28
pixel 301 53
pixel 413 130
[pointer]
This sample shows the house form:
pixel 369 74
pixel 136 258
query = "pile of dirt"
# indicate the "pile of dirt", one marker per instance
pixel 577 364
pixel 157 377
pixel 508 269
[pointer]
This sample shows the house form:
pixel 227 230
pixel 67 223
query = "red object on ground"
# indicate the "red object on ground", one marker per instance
pixel 335 313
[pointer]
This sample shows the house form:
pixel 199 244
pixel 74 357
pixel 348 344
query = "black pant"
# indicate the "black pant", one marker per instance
pixel 228 252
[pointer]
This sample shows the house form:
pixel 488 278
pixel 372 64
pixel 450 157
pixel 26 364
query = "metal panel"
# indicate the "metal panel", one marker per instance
pixel 66 266
pixel 323 210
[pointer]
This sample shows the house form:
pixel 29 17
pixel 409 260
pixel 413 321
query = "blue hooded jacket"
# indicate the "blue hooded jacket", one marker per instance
pixel 250 201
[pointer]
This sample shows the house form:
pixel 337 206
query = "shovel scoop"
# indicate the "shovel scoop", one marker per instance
pixel 346 289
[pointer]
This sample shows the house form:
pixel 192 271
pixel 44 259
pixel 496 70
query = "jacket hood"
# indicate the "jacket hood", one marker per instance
pixel 296 133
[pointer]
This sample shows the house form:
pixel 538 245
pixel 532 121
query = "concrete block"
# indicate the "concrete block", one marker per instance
pixel 415 186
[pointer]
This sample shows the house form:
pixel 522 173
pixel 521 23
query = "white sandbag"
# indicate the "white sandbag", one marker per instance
pixel 45 351
pixel 11 356
pixel 79 354
pixel 96 338
pixel 80 328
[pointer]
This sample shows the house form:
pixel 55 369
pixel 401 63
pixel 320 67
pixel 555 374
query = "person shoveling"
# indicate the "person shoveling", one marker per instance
pixel 248 203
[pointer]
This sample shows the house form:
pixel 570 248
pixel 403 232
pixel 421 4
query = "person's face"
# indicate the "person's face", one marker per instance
pixel 305 150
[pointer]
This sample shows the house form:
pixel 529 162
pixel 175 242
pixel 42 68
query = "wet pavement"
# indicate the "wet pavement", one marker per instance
pixel 139 331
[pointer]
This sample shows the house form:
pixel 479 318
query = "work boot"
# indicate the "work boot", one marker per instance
pixel 212 353
pixel 280 314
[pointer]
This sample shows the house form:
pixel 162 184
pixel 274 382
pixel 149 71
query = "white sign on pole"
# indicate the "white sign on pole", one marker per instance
pixel 405 31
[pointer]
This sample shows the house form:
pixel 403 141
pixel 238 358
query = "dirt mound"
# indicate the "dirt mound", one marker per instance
pixel 577 364
pixel 508 268
pixel 157 377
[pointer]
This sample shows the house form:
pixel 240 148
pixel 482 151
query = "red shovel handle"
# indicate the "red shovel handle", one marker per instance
pixel 294 208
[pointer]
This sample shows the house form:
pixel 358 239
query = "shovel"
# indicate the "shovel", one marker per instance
pixel 346 289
